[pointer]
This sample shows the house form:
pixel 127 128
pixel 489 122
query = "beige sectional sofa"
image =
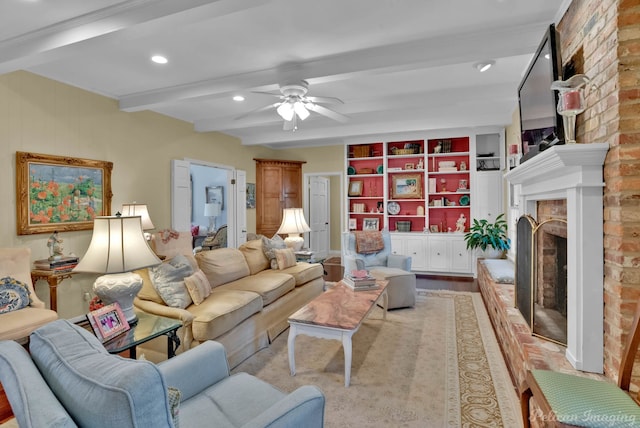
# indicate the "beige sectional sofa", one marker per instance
pixel 249 303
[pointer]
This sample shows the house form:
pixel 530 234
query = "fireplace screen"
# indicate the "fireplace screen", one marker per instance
pixel 541 277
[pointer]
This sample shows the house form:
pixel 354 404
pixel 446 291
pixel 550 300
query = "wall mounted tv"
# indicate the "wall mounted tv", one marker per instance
pixel 539 119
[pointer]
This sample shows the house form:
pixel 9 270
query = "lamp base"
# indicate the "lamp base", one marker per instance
pixel 120 288
pixel 294 241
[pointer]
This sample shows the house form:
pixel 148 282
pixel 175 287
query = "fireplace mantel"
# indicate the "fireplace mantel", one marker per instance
pixel 574 173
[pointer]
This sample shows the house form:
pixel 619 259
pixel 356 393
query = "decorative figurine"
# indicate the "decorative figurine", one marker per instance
pixel 461 223
pixel 437 148
pixel 54 243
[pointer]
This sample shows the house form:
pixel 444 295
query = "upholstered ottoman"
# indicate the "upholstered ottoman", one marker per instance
pixel 401 288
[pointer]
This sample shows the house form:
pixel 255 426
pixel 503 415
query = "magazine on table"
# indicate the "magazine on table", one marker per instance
pixel 360 280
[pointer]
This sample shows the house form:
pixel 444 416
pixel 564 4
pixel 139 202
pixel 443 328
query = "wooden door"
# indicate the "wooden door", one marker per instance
pixel 278 186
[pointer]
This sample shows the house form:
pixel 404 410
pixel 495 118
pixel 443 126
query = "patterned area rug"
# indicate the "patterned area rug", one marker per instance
pixel 436 365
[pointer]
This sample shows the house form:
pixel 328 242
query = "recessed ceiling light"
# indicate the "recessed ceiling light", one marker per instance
pixel 159 59
pixel 484 65
pixel 238 98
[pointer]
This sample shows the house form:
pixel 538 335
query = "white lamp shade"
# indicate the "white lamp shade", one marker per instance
pixel 130 210
pixel 117 245
pixel 211 210
pixel 301 110
pixel 293 221
pixel 285 110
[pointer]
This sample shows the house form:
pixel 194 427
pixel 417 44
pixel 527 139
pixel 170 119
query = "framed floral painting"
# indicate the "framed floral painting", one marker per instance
pixel 60 193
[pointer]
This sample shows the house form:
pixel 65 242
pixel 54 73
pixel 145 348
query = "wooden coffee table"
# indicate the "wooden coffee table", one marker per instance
pixel 335 314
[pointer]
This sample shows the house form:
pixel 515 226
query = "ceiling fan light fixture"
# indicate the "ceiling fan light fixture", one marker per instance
pixel 285 110
pixel 484 65
pixel 301 110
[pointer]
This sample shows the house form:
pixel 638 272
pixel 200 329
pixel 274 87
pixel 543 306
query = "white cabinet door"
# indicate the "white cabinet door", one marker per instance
pixel 460 257
pixel 415 246
pixel 448 253
pixel 397 245
pixel 438 254
pixel 487 198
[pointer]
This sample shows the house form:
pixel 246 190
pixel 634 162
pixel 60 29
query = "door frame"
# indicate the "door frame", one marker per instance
pixel 306 180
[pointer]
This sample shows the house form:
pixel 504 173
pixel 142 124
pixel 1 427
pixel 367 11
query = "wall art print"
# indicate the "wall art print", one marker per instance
pixel 60 193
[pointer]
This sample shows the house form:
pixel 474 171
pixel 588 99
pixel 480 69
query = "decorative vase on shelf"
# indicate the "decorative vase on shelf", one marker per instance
pixel 570 103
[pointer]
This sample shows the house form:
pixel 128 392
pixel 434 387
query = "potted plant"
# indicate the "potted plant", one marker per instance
pixel 488 237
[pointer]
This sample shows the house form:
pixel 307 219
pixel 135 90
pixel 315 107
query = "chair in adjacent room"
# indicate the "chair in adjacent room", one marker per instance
pixel 20 318
pixel 371 250
pixel 567 400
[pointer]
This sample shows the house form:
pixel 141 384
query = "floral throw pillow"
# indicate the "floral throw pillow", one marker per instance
pixel 14 295
pixel 269 246
pixel 286 258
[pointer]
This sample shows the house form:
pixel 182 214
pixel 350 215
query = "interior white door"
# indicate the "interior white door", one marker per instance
pixel 241 207
pixel 319 215
pixel 180 195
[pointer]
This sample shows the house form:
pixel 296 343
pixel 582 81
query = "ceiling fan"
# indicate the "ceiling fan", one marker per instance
pixel 295 105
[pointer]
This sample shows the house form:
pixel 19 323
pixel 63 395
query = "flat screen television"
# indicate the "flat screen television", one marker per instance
pixel 539 119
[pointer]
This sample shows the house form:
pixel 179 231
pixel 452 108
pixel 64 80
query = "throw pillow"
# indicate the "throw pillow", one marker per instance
pixel 198 286
pixel 286 258
pixel 269 246
pixel 14 295
pixel 174 396
pixel 168 281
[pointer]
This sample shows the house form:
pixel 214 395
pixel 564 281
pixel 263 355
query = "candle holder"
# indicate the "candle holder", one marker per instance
pixel 570 103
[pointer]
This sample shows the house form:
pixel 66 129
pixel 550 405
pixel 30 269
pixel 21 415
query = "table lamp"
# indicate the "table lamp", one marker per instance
pixel 212 211
pixel 293 223
pixel 117 247
pixel 135 209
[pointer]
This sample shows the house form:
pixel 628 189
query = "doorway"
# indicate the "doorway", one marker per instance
pixel 323 198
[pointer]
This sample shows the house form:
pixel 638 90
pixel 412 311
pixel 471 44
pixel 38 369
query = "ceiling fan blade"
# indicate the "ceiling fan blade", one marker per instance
pixel 273 94
pixel 326 112
pixel 325 100
pixel 258 110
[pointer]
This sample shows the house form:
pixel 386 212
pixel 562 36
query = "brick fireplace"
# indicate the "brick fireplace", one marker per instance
pixel 573 173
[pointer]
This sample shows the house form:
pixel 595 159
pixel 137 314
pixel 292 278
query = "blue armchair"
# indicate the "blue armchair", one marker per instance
pixel 383 265
pixel 70 380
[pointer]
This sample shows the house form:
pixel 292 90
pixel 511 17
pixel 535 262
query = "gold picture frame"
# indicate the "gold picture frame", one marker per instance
pixel 356 187
pixel 60 193
pixel 406 186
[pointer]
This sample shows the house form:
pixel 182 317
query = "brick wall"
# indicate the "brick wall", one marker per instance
pixel 602 37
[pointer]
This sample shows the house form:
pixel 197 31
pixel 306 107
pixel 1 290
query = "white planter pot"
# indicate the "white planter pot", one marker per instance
pixel 489 253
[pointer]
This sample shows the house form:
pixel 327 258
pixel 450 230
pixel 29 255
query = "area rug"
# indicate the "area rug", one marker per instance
pixel 435 365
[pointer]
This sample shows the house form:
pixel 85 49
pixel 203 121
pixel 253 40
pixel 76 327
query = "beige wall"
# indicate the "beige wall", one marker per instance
pixel 42 116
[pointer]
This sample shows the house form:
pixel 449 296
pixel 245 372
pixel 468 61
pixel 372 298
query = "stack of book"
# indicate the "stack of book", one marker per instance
pixel 360 281
pixel 64 264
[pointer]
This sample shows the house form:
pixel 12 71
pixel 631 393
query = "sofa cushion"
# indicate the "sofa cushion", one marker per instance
pixel 77 368
pixel 302 272
pixel 269 246
pixel 285 258
pixel 168 281
pixel 221 311
pixel 222 265
pixel 14 295
pixel 18 324
pixel 270 287
pixel 254 255
pixel 198 286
